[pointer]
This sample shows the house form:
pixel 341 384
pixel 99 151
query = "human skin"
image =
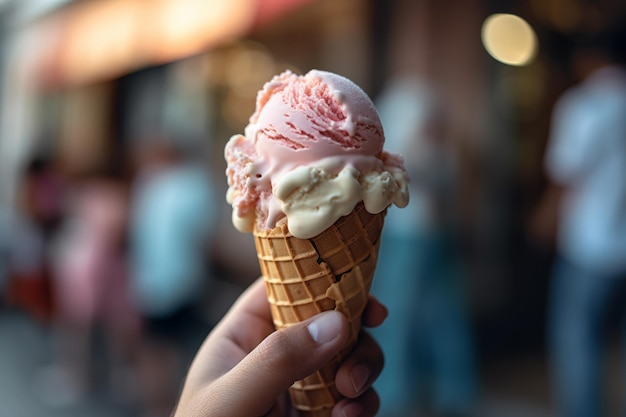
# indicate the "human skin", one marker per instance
pixel 244 368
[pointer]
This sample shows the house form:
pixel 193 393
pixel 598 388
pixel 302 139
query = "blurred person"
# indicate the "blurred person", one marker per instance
pixel 244 367
pixel 33 222
pixel 28 281
pixel 91 286
pixel 427 340
pixel 586 160
pixel 174 211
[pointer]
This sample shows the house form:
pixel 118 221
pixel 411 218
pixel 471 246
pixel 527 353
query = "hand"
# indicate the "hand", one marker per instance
pixel 244 368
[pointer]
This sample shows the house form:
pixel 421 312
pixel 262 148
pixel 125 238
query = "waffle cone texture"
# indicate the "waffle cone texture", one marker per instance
pixel 331 271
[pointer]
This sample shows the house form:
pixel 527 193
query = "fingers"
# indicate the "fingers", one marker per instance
pixel 245 325
pixel 246 379
pixel 283 357
pixel 365 406
pixel 361 368
pixel 375 313
pixel 249 320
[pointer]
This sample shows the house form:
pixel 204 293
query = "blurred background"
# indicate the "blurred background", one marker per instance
pixel 113 119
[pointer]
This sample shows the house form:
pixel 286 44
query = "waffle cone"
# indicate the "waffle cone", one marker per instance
pixel 304 277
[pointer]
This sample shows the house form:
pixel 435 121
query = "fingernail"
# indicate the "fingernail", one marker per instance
pixel 360 374
pixel 326 327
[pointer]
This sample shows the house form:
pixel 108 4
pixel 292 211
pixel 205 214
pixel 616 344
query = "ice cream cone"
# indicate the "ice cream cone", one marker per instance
pixel 304 277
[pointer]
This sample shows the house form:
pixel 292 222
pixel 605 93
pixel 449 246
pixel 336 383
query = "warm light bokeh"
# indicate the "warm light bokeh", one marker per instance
pixel 509 39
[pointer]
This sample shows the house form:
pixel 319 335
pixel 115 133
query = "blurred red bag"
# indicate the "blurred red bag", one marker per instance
pixel 33 293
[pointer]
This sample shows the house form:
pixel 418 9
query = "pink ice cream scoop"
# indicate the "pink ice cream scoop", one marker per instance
pixel 313 149
pixel 303 117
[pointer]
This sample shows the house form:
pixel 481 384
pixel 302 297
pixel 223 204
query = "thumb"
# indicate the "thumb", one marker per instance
pixel 252 387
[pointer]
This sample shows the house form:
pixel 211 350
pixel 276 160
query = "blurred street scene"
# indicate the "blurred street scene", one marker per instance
pixel 117 251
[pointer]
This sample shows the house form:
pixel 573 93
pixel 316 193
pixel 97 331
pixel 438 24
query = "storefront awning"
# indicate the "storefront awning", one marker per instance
pixel 97 40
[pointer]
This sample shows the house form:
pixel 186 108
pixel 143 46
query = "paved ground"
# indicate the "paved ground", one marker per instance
pixel 29 389
pixel 25 354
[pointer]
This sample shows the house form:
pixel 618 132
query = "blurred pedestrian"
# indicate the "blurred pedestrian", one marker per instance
pixel 586 159
pixel 90 277
pixel 33 221
pixel 427 340
pixel 174 211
